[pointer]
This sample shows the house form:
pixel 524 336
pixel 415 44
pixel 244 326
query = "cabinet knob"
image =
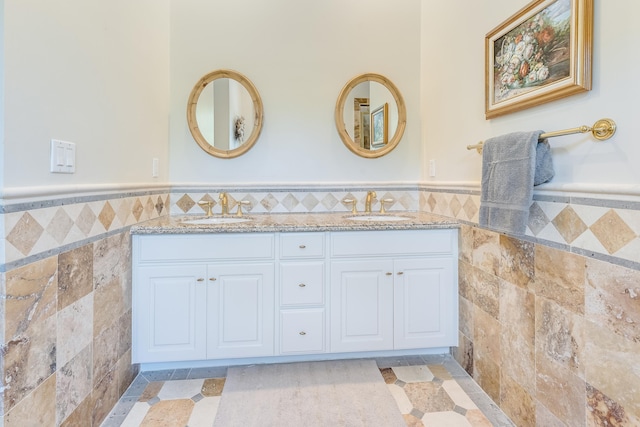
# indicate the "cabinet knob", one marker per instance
pixel 303 333
pixel 302 285
pixel 200 279
pixel 389 274
pixel 302 246
pixel 212 279
pixel 400 273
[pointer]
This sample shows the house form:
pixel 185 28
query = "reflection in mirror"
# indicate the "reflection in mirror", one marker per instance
pixel 372 104
pixel 225 113
pixel 370 115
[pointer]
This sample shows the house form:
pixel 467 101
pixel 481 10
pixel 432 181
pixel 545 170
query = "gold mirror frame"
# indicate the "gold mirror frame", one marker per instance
pixel 339 115
pixel 193 124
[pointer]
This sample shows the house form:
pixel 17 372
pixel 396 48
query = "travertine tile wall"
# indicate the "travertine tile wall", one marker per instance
pixel 551 331
pixel 66 308
pixel 549 322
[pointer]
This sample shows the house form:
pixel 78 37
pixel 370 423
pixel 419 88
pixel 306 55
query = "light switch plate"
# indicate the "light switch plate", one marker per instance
pixel 63 156
pixel 432 167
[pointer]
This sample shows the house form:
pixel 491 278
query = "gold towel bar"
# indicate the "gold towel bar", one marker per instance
pixel 601 130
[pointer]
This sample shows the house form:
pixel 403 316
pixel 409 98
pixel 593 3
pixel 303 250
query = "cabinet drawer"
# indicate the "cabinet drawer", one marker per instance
pixel 302 283
pixel 302 331
pixel 389 243
pixel 206 247
pixel 301 245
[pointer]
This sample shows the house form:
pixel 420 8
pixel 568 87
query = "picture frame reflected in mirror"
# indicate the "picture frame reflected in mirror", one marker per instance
pixel 380 125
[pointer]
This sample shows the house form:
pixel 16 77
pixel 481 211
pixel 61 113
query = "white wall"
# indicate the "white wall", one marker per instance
pixel 453 97
pixel 98 74
pixel 2 42
pixel 90 72
pixel 299 55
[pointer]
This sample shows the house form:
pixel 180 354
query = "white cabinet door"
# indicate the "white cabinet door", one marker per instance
pixel 240 310
pixel 361 305
pixel 169 313
pixel 425 295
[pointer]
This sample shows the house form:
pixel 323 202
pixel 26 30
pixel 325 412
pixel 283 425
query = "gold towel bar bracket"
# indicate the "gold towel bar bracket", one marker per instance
pixel 601 130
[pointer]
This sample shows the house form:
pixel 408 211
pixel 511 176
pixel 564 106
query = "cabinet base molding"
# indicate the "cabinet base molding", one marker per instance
pixel 191 364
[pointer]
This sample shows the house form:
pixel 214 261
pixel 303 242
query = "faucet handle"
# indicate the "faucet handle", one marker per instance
pixel 224 203
pixel 240 203
pixel 208 204
pixel 382 202
pixel 353 202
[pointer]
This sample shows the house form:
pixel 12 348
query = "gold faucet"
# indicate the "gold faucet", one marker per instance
pixel 208 204
pixel 240 203
pixel 371 195
pixel 382 202
pixel 224 203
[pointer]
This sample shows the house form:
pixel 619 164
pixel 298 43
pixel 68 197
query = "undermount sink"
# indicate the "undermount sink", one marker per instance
pixel 378 218
pixel 216 220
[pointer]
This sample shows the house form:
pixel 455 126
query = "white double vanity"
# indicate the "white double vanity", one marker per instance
pixel 293 287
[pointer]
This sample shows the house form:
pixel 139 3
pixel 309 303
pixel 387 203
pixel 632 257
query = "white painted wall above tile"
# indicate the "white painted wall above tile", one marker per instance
pixel 453 91
pixel 299 55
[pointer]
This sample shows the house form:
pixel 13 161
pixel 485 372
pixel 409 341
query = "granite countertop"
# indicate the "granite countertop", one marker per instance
pixel 292 222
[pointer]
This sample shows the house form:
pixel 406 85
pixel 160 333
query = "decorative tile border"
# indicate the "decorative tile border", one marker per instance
pixel 608 229
pixel 602 228
pixel 262 201
pixel 36 228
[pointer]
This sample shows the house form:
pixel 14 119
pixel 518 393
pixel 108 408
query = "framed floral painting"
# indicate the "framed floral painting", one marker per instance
pixel 540 54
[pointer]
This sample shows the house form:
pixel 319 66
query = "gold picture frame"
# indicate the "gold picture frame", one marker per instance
pixel 379 126
pixel 540 54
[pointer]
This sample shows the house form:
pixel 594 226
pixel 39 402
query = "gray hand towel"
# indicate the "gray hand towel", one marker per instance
pixel 511 165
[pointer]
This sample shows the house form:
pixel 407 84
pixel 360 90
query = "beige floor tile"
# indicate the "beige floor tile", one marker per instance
pixel 169 413
pixel 457 394
pixel 136 415
pixel 204 412
pixel 449 419
pixel 404 404
pixel 413 374
pixel 180 389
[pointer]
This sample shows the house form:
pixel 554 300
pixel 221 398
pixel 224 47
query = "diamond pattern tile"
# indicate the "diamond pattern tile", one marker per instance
pixel 407 202
pixel 137 209
pixel 470 208
pixel 159 205
pixel 269 202
pixel 149 207
pixel 612 231
pixel 290 202
pixel 330 201
pixel 310 202
pixel 538 220
pixel 107 214
pixel 455 206
pixel 431 202
pixel 85 220
pixel 185 203
pixel 60 225
pixel 569 224
pixel 25 234
pixel 252 202
pixel 45 229
pixel 595 228
pixel 123 211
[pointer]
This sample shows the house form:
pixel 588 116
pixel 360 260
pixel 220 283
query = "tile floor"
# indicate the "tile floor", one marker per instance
pixel 430 390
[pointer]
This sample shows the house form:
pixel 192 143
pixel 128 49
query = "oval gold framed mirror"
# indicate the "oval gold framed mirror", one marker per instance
pixel 370 115
pixel 224 113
